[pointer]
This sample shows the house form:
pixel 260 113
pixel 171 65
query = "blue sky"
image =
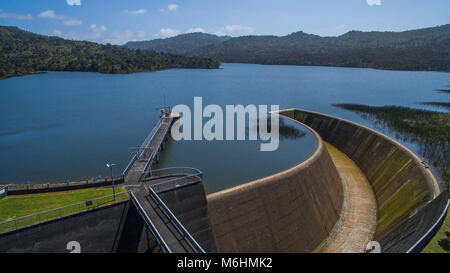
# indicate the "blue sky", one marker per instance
pixel 119 21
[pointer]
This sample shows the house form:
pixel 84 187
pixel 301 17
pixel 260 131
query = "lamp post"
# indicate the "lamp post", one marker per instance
pixel 110 166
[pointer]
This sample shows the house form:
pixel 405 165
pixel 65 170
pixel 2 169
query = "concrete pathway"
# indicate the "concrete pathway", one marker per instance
pixel 358 219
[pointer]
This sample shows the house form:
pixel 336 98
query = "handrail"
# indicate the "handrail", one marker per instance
pixel 176 179
pixel 150 224
pixel 143 147
pixel 178 168
pixel 127 169
pixel 431 229
pixel 149 137
pixel 154 151
pixel 4 187
pixel 191 241
pixel 4 191
pixel 59 208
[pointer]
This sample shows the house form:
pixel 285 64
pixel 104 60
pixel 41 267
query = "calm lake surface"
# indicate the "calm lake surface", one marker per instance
pixel 64 126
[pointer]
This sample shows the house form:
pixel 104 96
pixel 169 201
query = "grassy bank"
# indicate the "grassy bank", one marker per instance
pixel 15 206
pixel 441 241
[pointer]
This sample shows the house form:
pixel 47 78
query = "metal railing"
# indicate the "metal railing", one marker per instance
pixel 143 147
pixel 3 192
pixel 177 224
pixel 432 229
pixel 175 171
pixel 179 173
pixel 149 137
pixel 128 168
pixel 43 216
pixel 154 152
pixel 150 224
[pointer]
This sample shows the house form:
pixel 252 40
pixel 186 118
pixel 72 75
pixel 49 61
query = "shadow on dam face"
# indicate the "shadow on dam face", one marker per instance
pixel 117 228
pixel 113 228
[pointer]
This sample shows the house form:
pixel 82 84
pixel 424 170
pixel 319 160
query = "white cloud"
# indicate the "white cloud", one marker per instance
pixel 234 30
pixel 167 32
pixel 72 22
pixel 50 14
pixel 196 29
pixel 172 7
pixel 373 2
pixel 96 28
pixel 100 34
pixel 73 2
pixel 15 16
pixel 57 33
pixel 120 38
pixel 136 12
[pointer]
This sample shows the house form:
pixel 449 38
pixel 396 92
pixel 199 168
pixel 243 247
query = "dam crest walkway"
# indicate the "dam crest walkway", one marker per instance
pixel 145 184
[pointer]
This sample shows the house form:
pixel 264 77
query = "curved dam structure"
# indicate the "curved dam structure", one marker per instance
pixel 292 211
pixel 303 208
pixel 357 186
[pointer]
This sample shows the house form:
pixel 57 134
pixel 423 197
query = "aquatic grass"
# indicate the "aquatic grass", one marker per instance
pixel 429 129
pixel 445 105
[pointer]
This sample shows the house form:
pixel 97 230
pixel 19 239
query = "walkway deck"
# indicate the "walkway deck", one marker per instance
pixel 170 232
pixel 150 151
pixel 358 219
pixel 162 222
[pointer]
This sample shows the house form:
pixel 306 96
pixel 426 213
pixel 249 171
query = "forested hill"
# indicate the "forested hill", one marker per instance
pixel 421 49
pixel 181 44
pixel 23 52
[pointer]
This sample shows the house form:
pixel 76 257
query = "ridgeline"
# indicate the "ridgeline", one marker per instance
pixel 23 52
pixel 421 49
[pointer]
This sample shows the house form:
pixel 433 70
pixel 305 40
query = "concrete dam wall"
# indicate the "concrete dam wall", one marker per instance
pixel 291 211
pixel 188 204
pixel 402 185
pixel 114 228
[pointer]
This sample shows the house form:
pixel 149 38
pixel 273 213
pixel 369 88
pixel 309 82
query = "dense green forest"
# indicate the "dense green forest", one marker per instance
pixel 23 52
pixel 181 44
pixel 421 49
pixel 429 129
pixel 424 49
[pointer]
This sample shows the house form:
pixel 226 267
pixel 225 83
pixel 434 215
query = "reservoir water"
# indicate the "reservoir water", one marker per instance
pixel 63 126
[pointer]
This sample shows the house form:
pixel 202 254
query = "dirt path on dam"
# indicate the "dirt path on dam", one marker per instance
pixel 358 219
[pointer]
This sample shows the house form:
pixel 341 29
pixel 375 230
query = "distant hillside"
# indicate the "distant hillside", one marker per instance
pixel 421 49
pixel 23 52
pixel 181 44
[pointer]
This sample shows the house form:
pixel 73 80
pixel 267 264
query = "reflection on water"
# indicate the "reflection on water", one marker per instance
pixel 286 131
pixel 230 163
